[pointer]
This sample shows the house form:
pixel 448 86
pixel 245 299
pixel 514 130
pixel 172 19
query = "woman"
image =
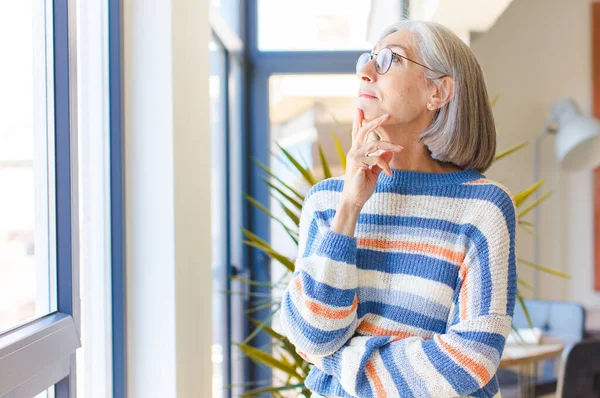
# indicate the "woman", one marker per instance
pixel 405 281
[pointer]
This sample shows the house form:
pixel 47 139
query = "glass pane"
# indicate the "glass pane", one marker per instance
pixel 286 25
pixel 27 275
pixel 229 10
pixel 219 217
pixel 49 393
pixel 303 112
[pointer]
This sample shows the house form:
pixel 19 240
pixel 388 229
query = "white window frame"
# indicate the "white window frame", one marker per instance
pixel 39 354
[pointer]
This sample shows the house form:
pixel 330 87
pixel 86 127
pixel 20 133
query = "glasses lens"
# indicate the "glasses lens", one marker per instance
pixel 384 60
pixel 362 61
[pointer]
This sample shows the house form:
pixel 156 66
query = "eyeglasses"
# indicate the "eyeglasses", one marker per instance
pixel 383 61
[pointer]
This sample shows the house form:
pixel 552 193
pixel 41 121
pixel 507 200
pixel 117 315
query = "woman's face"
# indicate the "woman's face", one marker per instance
pixel 401 91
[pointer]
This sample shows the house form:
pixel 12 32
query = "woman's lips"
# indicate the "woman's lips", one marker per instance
pixel 363 95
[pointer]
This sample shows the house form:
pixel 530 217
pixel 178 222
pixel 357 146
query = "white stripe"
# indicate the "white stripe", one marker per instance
pixel 334 273
pixel 435 291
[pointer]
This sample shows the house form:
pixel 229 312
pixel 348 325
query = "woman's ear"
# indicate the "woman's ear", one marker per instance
pixel 442 92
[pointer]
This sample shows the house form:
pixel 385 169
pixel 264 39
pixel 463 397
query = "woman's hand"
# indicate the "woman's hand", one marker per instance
pixel 362 164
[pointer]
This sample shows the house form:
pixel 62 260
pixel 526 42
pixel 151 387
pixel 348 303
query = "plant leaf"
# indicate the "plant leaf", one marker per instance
pixel 267 212
pixel 287 263
pixel 494 100
pixel 251 282
pixel 534 204
pixel 293 216
pixel 307 174
pixel 525 284
pixel 326 171
pixel 293 201
pixel 545 269
pixel 286 342
pixel 269 172
pixel 525 310
pixel 529 231
pixel 521 196
pixel 251 393
pixel 268 360
pixel 508 151
pixel 340 151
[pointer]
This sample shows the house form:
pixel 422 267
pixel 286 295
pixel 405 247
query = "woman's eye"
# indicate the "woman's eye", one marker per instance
pixel 396 59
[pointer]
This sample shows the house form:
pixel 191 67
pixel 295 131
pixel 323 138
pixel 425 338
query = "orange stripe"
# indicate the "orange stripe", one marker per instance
pixel 372 372
pixel 464 293
pixel 450 255
pixel 478 182
pixel 375 330
pixel 469 363
pixel 321 309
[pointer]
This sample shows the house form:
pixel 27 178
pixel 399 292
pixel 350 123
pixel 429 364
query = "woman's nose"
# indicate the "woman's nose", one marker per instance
pixel 367 72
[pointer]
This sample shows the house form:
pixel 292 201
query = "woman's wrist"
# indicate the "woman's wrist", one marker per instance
pixel 346 216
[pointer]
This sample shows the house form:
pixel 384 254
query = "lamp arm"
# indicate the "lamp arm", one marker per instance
pixel 536 211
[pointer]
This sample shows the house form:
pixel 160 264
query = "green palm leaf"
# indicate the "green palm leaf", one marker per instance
pixel 340 151
pixel 267 359
pixel 269 172
pixel 522 196
pixel 534 204
pixel 307 174
pixel 545 269
pixel 324 164
pixel 293 201
pixel 511 150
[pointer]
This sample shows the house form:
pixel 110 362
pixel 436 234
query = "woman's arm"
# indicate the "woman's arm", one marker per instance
pixel 466 357
pixel 318 310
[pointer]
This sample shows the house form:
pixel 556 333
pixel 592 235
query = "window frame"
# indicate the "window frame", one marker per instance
pixel 264 64
pixel 41 353
pixel 117 199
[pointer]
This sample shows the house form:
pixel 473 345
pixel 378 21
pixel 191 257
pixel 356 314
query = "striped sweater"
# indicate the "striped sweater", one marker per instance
pixel 419 302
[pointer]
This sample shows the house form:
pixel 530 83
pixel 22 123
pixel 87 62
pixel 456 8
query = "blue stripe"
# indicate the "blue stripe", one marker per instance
pixel 325 293
pixel 387 357
pixel 489 390
pixel 408 264
pixel 311 333
pixel 402 315
pixel 494 340
pixel 458 378
pixel 338 247
pixel 408 300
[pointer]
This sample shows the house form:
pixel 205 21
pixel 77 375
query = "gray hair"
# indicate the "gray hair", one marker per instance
pixel 463 131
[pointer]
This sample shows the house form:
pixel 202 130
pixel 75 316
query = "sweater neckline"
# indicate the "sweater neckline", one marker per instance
pixel 412 178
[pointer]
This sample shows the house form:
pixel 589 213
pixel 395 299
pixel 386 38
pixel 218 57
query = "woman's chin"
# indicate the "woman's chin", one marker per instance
pixel 370 111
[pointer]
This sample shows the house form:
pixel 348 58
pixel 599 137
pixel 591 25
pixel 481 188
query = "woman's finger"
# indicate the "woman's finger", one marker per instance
pixel 367 128
pixel 375 146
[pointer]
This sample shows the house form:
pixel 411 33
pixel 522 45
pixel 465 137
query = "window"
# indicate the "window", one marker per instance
pixel 333 25
pixel 39 309
pixel 27 268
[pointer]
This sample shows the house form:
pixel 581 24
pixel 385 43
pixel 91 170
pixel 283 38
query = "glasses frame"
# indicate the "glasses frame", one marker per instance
pixel 373 54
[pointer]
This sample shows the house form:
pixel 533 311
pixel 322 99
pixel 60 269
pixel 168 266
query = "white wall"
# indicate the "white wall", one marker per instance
pixel 538 52
pixel 168 267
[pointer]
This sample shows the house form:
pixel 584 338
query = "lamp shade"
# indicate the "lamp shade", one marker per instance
pixel 577 137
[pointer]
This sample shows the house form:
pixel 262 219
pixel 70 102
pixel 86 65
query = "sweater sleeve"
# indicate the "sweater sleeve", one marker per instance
pixel 318 310
pixel 465 358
